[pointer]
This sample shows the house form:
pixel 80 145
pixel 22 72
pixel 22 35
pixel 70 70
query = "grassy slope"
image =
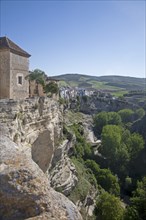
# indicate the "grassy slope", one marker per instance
pixel 118 83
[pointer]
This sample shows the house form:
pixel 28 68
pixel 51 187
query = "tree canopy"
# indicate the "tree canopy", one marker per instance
pixel 51 87
pixel 137 209
pixel 40 77
pixel 111 140
pixel 104 177
pixel 135 144
pixel 126 115
pixel 109 207
pixel 103 118
pixel 37 75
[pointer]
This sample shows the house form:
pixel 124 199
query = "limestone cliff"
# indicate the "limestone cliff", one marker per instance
pixel 63 175
pixel 30 133
pixel 93 104
pixel 24 189
pixel 35 125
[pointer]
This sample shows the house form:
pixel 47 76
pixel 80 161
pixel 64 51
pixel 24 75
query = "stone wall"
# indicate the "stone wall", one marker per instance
pixel 19 67
pixel 13 66
pixel 4 74
pixel 35 89
pixel 35 124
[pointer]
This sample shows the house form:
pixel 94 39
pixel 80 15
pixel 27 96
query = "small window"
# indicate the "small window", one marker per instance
pixel 20 80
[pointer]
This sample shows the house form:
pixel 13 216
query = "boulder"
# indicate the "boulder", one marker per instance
pixel 24 189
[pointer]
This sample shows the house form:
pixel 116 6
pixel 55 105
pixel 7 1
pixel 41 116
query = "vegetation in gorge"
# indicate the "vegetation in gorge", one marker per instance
pixel 118 172
pixel 109 207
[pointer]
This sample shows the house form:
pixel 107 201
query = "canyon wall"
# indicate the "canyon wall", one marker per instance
pixel 35 125
pixel 30 135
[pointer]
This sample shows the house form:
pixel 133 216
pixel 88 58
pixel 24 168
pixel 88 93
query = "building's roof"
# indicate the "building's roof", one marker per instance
pixel 6 43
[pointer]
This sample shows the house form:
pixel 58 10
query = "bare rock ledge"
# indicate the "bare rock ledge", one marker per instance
pixel 24 189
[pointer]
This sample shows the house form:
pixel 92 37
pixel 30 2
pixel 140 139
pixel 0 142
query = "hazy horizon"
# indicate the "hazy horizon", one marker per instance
pixel 95 38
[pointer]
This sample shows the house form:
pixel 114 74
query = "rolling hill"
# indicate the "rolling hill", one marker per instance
pixel 111 83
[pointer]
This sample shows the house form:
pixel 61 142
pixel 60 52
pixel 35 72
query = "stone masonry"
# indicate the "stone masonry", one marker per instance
pixel 14 67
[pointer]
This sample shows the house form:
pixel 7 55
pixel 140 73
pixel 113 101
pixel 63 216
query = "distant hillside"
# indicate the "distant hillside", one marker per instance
pixel 112 83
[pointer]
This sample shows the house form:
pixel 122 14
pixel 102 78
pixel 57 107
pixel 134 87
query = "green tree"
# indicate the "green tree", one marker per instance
pixel 37 75
pixel 100 120
pixel 111 140
pixel 109 207
pixel 81 148
pixel 131 214
pixel 125 135
pixel 108 181
pixel 104 177
pixel 139 199
pixel 128 184
pixel 103 118
pixel 114 118
pixel 120 163
pixel 52 88
pixel 137 210
pixel 92 165
pixel 139 113
pixel 115 150
pixel 126 115
pixel 135 144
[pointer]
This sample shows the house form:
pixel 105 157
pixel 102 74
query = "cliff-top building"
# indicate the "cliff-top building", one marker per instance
pixel 14 67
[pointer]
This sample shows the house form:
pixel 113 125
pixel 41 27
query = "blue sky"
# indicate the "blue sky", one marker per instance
pixel 87 37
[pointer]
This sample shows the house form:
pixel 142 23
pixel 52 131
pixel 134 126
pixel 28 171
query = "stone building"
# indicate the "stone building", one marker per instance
pixel 14 67
pixel 35 89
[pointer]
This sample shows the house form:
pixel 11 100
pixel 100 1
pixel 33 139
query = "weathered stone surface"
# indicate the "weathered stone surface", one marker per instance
pixel 63 177
pixel 12 66
pixel 36 133
pixel 60 151
pixel 42 150
pixel 24 189
pixel 96 104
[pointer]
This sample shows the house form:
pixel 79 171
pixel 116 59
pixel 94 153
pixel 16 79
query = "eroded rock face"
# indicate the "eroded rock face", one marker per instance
pixel 63 177
pixel 42 150
pixel 96 104
pixel 24 189
pixel 35 125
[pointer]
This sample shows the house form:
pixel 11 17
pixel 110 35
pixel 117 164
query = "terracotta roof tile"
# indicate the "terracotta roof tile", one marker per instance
pixel 6 43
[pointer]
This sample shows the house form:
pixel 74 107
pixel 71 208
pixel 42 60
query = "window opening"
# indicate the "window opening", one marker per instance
pixel 20 80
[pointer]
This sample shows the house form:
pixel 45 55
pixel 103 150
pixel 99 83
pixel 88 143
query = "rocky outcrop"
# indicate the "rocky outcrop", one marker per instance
pixel 35 125
pixel 24 189
pixel 42 150
pixel 63 175
pixel 95 104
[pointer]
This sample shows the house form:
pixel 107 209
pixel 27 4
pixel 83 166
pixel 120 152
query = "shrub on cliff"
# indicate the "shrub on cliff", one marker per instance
pixel 86 181
pixel 82 149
